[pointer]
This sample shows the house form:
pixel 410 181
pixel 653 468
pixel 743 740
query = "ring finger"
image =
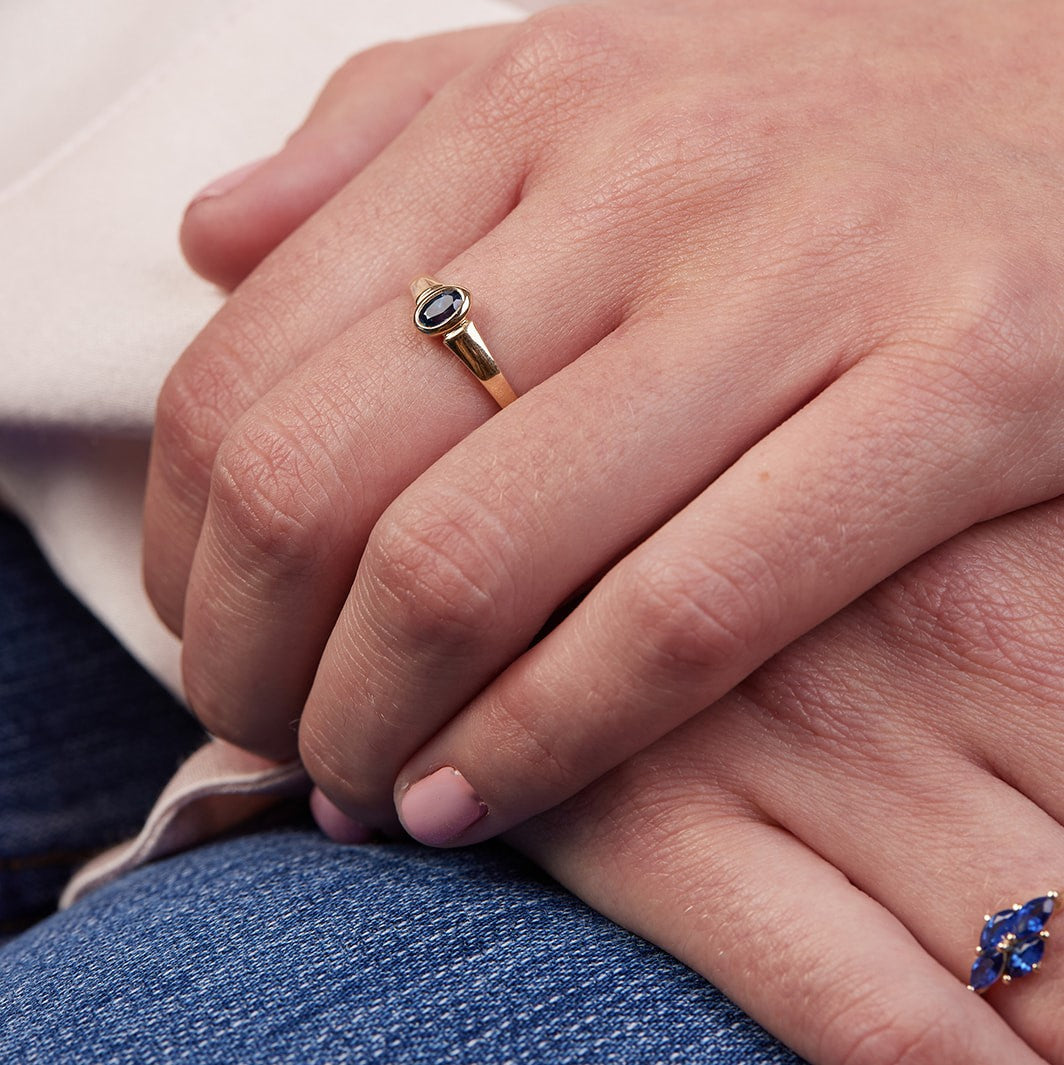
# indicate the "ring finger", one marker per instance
pixel 662 851
pixel 867 743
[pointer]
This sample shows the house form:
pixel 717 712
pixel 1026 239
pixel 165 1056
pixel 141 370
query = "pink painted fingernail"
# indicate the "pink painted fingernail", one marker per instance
pixel 335 823
pixel 440 807
pixel 227 182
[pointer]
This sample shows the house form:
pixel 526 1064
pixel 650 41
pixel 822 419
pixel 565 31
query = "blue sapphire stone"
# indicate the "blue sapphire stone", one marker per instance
pixel 986 970
pixel 997 928
pixel 1026 955
pixel 441 310
pixel 1034 915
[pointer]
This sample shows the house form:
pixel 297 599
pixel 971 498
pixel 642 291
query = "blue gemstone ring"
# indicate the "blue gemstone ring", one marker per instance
pixel 1012 943
pixel 443 311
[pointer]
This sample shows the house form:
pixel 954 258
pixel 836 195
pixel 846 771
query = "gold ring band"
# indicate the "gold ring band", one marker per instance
pixel 443 311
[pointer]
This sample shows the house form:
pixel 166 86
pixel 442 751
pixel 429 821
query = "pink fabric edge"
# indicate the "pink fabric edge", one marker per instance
pixel 217 788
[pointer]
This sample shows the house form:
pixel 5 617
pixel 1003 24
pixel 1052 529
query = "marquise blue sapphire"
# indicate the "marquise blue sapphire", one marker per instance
pixel 1025 955
pixel 1012 943
pixel 1034 916
pixel 986 970
pixel 442 310
pixel 995 930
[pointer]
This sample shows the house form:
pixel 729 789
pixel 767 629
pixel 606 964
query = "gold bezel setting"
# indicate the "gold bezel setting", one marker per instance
pixel 450 321
pixel 460 303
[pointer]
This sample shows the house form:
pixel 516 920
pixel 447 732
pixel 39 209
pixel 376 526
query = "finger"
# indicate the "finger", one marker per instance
pixel 775 927
pixel 335 824
pixel 915 824
pixel 858 741
pixel 299 483
pixel 419 203
pixel 466 567
pixel 836 499
pixel 232 224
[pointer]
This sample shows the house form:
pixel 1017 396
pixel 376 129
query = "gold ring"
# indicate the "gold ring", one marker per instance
pixel 443 311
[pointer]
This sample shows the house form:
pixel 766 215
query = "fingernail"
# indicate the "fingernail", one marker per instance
pixel 335 823
pixel 440 807
pixel 227 182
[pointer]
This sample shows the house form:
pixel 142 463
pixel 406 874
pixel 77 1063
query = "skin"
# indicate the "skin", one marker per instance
pixel 900 279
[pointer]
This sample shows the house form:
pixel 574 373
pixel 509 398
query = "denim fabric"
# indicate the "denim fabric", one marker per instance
pixel 285 947
pixel 280 946
pixel 87 738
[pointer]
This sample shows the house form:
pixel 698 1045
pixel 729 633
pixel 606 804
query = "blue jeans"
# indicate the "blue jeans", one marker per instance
pixel 277 945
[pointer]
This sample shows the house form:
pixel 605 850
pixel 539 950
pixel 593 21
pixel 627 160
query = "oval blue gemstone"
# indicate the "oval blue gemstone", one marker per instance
pixel 986 970
pixel 997 928
pixel 1034 916
pixel 1026 955
pixel 441 310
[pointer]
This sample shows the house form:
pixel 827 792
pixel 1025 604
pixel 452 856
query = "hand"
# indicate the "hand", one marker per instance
pixel 823 843
pixel 781 291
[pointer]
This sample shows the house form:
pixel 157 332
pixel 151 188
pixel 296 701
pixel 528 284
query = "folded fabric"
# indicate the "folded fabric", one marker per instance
pixel 218 788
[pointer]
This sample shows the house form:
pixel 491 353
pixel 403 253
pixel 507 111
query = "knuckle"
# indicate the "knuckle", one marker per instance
pixel 566 41
pixel 947 603
pixel 699 155
pixel 273 495
pixel 371 60
pixel 211 711
pixel 919 1035
pixel 322 755
pixel 812 697
pixel 1000 332
pixel 839 233
pixel 222 716
pixel 436 575
pixel 976 608
pixel 190 417
pixel 212 384
pixel 555 58
pixel 700 617
pixel 369 65
pixel 516 732
pixel 748 150
pixel 357 775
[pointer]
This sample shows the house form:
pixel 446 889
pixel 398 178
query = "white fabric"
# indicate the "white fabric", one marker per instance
pixel 112 114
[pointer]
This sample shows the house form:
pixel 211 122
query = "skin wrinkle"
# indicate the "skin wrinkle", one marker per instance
pixel 949 638
pixel 439 576
pixel 912 637
pixel 271 494
pixel 547 72
pixel 982 632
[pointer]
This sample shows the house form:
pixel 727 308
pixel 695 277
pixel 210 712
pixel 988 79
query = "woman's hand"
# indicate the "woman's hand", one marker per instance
pixel 824 842
pixel 780 286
